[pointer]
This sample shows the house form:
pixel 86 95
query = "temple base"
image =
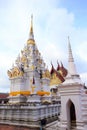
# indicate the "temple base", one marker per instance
pixel 17 99
pixel 27 115
pixel 34 99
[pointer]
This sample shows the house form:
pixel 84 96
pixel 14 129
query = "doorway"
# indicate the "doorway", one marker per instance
pixel 71 114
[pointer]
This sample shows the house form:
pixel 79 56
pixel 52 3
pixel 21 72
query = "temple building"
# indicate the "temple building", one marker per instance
pixel 40 98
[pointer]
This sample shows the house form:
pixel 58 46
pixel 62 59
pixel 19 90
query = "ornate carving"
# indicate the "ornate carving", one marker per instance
pixel 15 72
pixel 32 67
pixel 40 61
pixel 46 74
pixel 9 74
pixel 23 59
pixel 17 61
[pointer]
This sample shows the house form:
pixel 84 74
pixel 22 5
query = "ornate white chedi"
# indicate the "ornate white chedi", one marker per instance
pixel 29 75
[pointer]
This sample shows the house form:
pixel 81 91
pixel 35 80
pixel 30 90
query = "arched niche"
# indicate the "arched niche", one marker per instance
pixel 71 114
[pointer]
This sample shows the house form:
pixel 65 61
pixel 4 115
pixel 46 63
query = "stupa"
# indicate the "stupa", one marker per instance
pixel 29 75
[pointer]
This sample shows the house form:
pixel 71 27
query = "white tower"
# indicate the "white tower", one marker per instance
pixel 70 91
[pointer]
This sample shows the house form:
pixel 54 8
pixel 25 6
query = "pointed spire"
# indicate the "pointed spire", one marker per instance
pixel 31 34
pixel 31 28
pixel 70 51
pixel 71 65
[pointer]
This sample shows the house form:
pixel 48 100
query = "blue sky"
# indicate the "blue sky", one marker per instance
pixel 79 8
pixel 54 21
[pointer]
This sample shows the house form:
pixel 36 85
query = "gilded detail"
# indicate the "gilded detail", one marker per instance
pixel 46 74
pixel 15 72
pixel 55 80
pixel 33 87
pixel 31 41
pixel 23 59
pixel 9 74
pixel 32 67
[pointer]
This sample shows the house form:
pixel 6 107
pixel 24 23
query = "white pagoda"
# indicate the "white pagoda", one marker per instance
pixel 29 75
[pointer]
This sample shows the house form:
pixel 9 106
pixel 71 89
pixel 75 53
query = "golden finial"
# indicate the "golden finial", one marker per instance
pixel 31 35
pixel 31 28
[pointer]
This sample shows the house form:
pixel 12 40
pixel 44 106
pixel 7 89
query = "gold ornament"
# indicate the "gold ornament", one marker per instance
pixel 31 41
pixel 23 59
pixel 32 67
pixel 55 80
pixel 15 72
pixel 46 74
pixel 33 88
